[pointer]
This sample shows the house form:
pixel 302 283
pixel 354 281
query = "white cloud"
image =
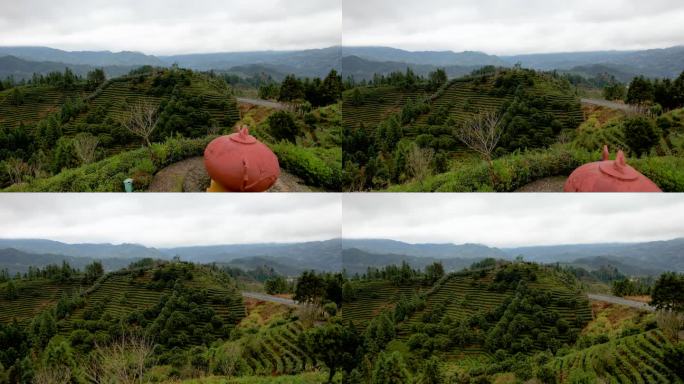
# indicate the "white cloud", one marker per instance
pixel 171 219
pixel 513 219
pixel 512 27
pixel 172 26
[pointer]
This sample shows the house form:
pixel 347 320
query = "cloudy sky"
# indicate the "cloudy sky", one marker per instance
pixel 171 26
pixel 514 219
pixel 514 26
pixel 162 220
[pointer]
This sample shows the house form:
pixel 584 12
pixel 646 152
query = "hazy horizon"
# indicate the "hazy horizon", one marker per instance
pixel 172 27
pixel 520 27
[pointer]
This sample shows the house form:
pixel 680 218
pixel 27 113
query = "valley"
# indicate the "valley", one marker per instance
pixel 492 321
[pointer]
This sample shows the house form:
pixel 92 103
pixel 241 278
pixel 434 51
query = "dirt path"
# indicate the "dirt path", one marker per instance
pixel 547 184
pixel 621 301
pixel 269 298
pixel 609 104
pixel 190 176
pixel 263 103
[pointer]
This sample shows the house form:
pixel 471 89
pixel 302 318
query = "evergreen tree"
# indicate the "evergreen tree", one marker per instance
pixel 668 292
pixel 283 126
pixel 291 89
pixel 390 369
pixel 11 291
pixel 641 134
pixel 640 91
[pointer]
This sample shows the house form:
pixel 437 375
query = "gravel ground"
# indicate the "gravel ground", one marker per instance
pixel 547 184
pixel 190 176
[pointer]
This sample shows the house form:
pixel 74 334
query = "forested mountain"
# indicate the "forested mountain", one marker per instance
pixel 305 63
pixel 11 66
pixel 363 69
pixel 624 65
pixel 93 58
pixel 660 255
pixel 15 261
pixel 95 251
pixel 437 58
pixel 437 251
pixel 353 255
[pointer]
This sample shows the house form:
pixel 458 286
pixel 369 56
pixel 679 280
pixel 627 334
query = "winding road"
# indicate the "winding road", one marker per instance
pixel 269 298
pixel 621 301
pixel 609 104
pixel 594 297
pixel 260 102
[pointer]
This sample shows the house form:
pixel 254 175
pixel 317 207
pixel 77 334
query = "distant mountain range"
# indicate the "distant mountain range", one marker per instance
pixel 16 261
pixel 353 255
pixel 306 63
pixel 667 62
pixel 361 62
pixel 24 69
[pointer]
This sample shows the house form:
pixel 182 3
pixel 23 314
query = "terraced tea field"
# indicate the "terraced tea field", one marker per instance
pixel 632 359
pixel 122 293
pixel 33 297
pixel 378 104
pixel 466 294
pixel 462 97
pixel 275 351
pixel 38 103
pixel 372 297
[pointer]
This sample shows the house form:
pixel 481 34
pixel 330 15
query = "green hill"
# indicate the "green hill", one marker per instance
pixel 543 305
pixel 139 296
pixel 387 122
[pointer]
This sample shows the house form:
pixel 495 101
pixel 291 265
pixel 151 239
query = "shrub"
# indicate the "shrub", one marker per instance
pixel 316 166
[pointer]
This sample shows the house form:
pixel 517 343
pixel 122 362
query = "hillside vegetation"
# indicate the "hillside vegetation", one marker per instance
pixel 403 127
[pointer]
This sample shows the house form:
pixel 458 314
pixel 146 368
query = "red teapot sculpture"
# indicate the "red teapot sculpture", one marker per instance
pixel 240 163
pixel 609 176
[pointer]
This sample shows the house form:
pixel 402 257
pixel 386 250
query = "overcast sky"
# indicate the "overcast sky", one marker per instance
pixel 171 26
pixel 514 26
pixel 162 220
pixel 505 220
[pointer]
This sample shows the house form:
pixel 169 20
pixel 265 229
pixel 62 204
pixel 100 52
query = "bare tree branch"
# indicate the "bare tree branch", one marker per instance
pixel 141 120
pixel 122 361
pixel 482 133
pixel 16 169
pixel 85 146
pixel 418 161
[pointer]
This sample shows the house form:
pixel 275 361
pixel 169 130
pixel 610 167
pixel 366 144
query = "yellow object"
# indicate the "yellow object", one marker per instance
pixel 216 187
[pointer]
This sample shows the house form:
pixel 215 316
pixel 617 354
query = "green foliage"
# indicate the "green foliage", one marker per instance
pixel 511 172
pixel 390 369
pixel 614 91
pixel 282 126
pixel 640 91
pixel 334 344
pixel 668 292
pixel 592 136
pixel 108 174
pixel 277 285
pixel 11 292
pixel 641 134
pixel 316 166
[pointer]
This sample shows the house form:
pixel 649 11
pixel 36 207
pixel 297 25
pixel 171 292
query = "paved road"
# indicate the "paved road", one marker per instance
pixel 263 103
pixel 609 104
pixel 272 299
pixel 621 301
